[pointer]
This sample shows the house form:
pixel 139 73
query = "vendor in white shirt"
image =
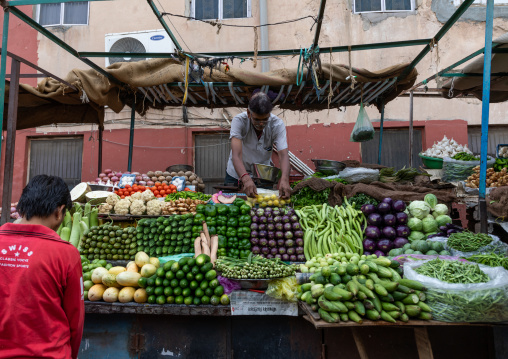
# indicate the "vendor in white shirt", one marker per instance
pixel 253 134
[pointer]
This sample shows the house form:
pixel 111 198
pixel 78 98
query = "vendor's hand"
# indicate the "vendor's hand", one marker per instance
pixel 284 189
pixel 249 187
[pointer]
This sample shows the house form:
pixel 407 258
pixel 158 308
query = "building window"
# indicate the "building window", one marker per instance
pixel 220 9
pixel 361 6
pixel 70 13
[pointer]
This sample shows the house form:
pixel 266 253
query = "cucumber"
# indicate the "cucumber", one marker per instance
pixel 400 305
pixel 354 317
pixel 388 298
pixel 379 289
pixel 335 316
pixel 387 317
pixel 395 314
pixel 372 314
pixel 382 261
pixel 343 293
pixel 368 304
pixel 412 284
pixel 306 287
pixel 394 264
pixel 369 284
pixel 398 295
pixel 411 299
pixel 325 316
pixel 384 272
pixel 389 285
pixel 349 305
pixel 352 287
pixel 404 289
pixel 424 306
pixel 364 269
pixel 362 296
pixel 335 279
pixel 314 307
pixel 421 295
pixel 395 275
pixel 413 310
pixel 377 304
pixel 425 316
pixel 331 295
pixel 389 307
pixel 365 290
pixel 372 266
pixel 343 317
pixel 339 307
pixel 374 277
pixel 317 290
pixel 359 308
pixel 404 317
pixel 305 295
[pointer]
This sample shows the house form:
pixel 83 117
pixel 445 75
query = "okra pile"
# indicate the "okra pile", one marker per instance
pixel 254 267
pixel 358 287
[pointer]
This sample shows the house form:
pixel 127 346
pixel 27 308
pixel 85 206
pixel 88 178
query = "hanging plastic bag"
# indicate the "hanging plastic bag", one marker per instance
pixel 363 130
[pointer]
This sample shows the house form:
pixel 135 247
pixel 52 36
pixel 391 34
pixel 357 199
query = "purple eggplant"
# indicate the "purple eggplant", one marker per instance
pixel 299 242
pixel 255 219
pixel 289 243
pixel 275 250
pixel 270 227
pixel 262 234
pixel 298 234
pixel 281 242
pixel 369 244
pixel 451 231
pixel 262 219
pixel 263 242
pixel 252 212
pixel 402 218
pixel 277 219
pixel 299 250
pixel 375 219
pixel 270 234
pixel 296 226
pixel 403 231
pixel 389 220
pixel 293 218
pixel 300 258
pixel 389 232
pixel 278 256
pixel 254 241
pixel 262 227
pixel 279 226
pixel 288 235
pixel 279 234
pixel 400 242
pixel 282 250
pixel 275 212
pixel 372 232
pixel 287 226
pixel 269 220
pixel 269 256
pixel 443 228
pixel 368 209
pixel 265 250
pixel 379 253
pixel 399 206
pixel 254 234
pixel 272 243
pixel 367 253
pixel 256 250
pixel 285 219
pixel 268 211
pixel 260 212
pixel 385 245
pixel 285 257
pixel 384 208
pixel 254 226
pixel 388 201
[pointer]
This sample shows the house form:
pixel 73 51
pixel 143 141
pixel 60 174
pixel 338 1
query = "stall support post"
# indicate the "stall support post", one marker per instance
pixel 411 129
pixel 3 66
pixel 99 169
pixel 381 133
pixel 10 144
pixel 487 58
pixel 131 138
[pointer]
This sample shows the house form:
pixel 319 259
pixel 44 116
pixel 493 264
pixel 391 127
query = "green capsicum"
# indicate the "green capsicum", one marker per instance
pixel 232 242
pixel 222 230
pixel 244 244
pixel 244 253
pixel 223 241
pixel 244 220
pixel 221 252
pixel 211 221
pixel 244 209
pixel 232 222
pixel 231 232
pixel 199 218
pixel 243 232
pixel 234 253
pixel 222 210
pixel 200 208
pixel 212 230
pixel 210 210
pixel 222 220
pixel 238 202
pixel 234 211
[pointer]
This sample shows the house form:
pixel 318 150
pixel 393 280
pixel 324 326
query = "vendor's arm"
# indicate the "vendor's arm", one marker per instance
pixel 248 184
pixel 284 187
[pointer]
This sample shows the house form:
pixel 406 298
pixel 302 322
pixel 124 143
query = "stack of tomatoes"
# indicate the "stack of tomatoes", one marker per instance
pixel 159 190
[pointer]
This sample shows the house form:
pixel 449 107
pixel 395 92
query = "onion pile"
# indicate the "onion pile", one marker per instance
pixel 387 227
pixel 276 233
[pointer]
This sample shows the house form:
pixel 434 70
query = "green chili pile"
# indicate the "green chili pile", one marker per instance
pixel 491 260
pixel 455 272
pixel 468 241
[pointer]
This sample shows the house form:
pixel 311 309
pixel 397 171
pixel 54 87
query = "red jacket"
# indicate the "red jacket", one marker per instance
pixel 41 294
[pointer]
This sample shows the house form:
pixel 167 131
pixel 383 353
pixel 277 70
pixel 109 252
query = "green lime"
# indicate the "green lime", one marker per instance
pixel 149 290
pixel 170 275
pixel 193 285
pixel 203 285
pixel 199 277
pixel 188 300
pixel 151 299
pixel 103 263
pixel 158 282
pixel 161 299
pixel 170 300
pixel 205 300
pixel 150 282
pixel 179 299
pixel 208 292
pixel 180 274
pixel 224 299
pixel 177 291
pixel 214 300
pixel 196 301
pixel 199 293
pixel 219 291
pixel 158 291
pixel 184 283
pixel 167 265
pixel 183 261
pixel 186 268
pixel 210 275
pixel 186 292
pixel 175 267
pixel 174 283
pixel 168 291
pixel 214 283
pixel 142 282
pixel 160 272
pixel 189 276
pixel 87 276
pixel 195 270
pixel 85 295
pixel 191 262
pixel 166 283
pixel 87 284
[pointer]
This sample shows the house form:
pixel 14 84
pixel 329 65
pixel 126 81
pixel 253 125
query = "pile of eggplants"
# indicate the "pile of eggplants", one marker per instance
pixel 386 226
pixel 447 230
pixel 276 233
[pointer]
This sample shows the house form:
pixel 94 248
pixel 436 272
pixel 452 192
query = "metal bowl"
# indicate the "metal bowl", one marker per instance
pixel 100 187
pixel 178 168
pixel 329 167
pixel 266 173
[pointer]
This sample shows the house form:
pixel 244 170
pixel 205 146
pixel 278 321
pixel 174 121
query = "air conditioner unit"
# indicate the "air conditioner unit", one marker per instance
pixel 137 42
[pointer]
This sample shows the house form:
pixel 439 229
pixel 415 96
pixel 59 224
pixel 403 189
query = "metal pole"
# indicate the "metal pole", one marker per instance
pixel 3 66
pixel 411 129
pixel 131 138
pixel 381 133
pixel 319 22
pixel 10 144
pixel 263 20
pixel 99 169
pixel 487 59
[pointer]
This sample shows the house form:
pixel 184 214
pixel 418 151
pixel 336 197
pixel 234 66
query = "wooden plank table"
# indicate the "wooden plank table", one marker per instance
pixel 166 309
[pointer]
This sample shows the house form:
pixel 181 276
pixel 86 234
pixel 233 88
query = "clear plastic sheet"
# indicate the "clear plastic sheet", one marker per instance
pixel 284 289
pixel 455 170
pixel 359 175
pixel 480 302
pixel 495 246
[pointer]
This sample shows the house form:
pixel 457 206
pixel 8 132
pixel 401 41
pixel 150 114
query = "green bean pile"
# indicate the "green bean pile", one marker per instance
pixel 187 194
pixel 455 272
pixel 329 229
pixel 254 267
pixel 468 241
pixel 491 260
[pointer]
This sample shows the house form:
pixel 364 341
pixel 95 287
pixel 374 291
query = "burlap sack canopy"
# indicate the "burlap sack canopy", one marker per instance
pixel 52 102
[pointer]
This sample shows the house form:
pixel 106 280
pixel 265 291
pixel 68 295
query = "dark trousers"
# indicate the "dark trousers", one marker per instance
pixel 230 180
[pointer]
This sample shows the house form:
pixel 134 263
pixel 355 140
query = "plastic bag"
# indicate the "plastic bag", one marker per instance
pixel 495 246
pixel 455 170
pixel 359 174
pixel 179 182
pixel 285 289
pixel 126 179
pixel 479 302
pixel 363 130
pixel 229 285
pixel 175 258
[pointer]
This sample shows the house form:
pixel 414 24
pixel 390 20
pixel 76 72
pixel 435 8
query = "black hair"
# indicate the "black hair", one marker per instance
pixel 260 104
pixel 42 196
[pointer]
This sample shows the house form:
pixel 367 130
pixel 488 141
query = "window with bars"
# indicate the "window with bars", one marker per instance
pixel 68 14
pixel 220 9
pixel 363 6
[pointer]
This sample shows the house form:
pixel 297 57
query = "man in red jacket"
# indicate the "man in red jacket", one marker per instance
pixel 41 290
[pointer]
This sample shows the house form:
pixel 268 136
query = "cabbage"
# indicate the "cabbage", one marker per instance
pixel 419 209
pixel 429 216
pixel 431 200
pixel 430 225
pixel 443 220
pixel 435 214
pixel 415 235
pixel 441 209
pixel 415 224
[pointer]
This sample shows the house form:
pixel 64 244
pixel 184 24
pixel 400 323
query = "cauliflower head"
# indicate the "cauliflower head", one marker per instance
pixel 122 206
pixel 112 199
pixel 136 196
pixel 147 195
pixel 105 208
pixel 154 207
pixel 138 207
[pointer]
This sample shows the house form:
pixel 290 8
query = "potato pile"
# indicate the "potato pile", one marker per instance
pixel 494 179
pixel 180 206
